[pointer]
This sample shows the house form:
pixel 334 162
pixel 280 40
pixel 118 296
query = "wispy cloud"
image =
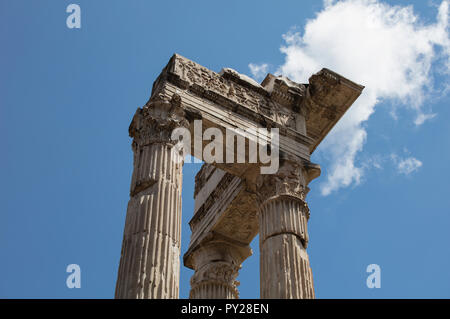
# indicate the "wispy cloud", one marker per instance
pixel 406 165
pixel 421 118
pixel 385 48
pixel 259 71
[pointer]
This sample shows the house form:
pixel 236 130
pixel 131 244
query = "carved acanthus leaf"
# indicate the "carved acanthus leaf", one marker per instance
pixel 219 272
pixel 288 181
pixel 156 121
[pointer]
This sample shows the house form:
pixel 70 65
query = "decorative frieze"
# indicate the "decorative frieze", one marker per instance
pixel 277 102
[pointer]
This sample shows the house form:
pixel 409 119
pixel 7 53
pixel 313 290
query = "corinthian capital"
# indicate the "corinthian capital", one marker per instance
pixel 219 273
pixel 155 121
pixel 290 180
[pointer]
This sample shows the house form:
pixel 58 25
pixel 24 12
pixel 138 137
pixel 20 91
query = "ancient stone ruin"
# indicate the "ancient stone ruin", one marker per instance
pixel 233 201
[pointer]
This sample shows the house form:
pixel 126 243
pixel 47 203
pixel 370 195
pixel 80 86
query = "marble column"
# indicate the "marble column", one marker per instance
pixel 216 267
pixel 150 258
pixel 283 216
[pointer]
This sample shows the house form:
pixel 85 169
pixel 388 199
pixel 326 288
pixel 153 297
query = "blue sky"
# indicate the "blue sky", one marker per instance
pixel 67 97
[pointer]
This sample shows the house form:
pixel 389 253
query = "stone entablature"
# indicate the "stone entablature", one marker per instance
pixel 229 211
pixel 277 102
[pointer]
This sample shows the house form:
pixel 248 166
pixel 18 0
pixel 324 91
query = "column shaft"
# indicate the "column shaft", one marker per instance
pixel 150 258
pixel 149 265
pixel 283 232
pixel 285 271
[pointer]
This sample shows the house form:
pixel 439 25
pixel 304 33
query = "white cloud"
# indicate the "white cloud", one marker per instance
pixel 258 70
pixel 407 165
pixel 385 48
pixel 422 117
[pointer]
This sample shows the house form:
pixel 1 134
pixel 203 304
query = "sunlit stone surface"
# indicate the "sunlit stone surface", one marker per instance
pixel 233 201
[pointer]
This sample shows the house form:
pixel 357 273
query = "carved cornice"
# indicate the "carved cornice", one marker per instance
pixel 155 122
pixel 277 102
pixel 242 95
pixel 321 84
pixel 329 95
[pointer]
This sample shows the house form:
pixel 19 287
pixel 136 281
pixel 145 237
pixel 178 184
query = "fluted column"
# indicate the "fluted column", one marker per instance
pixel 216 267
pixel 150 258
pixel 283 216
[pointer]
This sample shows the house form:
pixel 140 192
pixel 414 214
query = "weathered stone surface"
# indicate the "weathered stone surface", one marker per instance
pixel 217 262
pixel 149 264
pixel 283 234
pixel 233 202
pixel 229 209
pixel 224 223
pixel 304 113
pixel 289 275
